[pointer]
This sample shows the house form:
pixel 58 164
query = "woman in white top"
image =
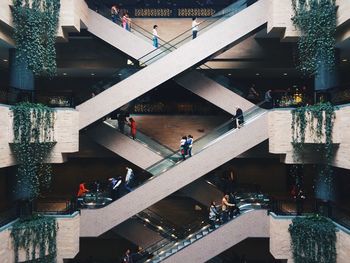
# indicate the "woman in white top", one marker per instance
pixel 155 36
pixel 194 27
pixel 183 147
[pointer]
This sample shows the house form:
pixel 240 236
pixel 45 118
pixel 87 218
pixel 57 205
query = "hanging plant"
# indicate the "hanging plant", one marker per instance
pixel 35 30
pixel 37 236
pixel 33 126
pixel 319 119
pixel 316 20
pixel 313 240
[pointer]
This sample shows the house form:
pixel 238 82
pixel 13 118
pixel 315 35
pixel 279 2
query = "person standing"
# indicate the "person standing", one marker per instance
pixel 213 214
pixel 155 36
pixel 127 257
pixel 225 205
pixel 129 177
pixel 268 99
pixel 82 189
pixel 115 183
pixel 132 128
pixel 194 27
pixel 183 147
pixel 126 22
pixel 115 14
pixel 121 122
pixel 238 118
pixel 189 143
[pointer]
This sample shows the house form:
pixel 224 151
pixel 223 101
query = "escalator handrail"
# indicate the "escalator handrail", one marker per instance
pixel 252 109
pixel 189 30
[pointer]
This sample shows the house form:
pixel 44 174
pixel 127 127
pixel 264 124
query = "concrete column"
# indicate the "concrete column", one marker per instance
pixel 20 76
pixel 326 78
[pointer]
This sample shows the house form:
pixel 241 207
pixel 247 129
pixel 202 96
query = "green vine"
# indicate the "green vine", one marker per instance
pixel 33 126
pixel 37 236
pixel 319 119
pixel 35 30
pixel 316 20
pixel 313 240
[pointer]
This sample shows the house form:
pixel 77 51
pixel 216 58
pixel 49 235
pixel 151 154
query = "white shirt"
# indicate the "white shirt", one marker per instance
pixel 128 175
pixel 195 25
pixel 155 33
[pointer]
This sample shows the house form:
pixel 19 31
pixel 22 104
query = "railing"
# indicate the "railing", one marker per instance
pixel 169 46
pixel 11 96
pixel 145 140
pixel 171 249
pixel 293 207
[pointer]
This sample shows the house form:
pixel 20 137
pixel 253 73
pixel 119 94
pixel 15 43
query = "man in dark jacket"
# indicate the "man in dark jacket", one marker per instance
pixel 238 118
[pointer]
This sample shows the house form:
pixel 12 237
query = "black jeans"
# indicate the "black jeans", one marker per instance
pixel 194 34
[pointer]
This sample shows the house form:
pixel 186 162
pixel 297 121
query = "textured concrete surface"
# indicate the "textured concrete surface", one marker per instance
pixel 280 246
pixel 170 65
pixel 66 133
pixel 280 137
pixel 251 224
pixel 67 241
pixel 96 222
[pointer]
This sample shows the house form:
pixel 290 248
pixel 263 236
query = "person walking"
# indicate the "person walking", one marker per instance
pixel 128 257
pixel 155 36
pixel 194 27
pixel 132 124
pixel 183 147
pixel 189 143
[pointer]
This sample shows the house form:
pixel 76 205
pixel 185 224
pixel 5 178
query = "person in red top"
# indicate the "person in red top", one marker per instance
pixel 82 189
pixel 132 128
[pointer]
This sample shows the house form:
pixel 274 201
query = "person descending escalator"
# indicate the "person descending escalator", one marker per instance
pixel 183 147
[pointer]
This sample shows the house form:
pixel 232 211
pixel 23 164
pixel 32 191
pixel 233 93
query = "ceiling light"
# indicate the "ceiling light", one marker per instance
pixel 120 74
pixel 64 74
pixel 285 74
pixel 5 60
pixel 257 74
pixel 344 60
pixel 92 74
pixel 229 74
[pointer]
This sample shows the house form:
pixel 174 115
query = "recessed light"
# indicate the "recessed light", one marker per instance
pixel 285 74
pixel 64 74
pixel 257 74
pixel 120 74
pixel 295 86
pixel 229 74
pixel 92 74
pixel 5 60
pixel 344 60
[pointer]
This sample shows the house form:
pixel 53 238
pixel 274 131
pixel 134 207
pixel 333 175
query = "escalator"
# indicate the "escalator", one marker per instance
pixel 209 242
pixel 167 65
pixel 141 44
pixel 171 173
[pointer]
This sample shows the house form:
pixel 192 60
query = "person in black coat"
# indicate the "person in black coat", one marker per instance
pixel 238 118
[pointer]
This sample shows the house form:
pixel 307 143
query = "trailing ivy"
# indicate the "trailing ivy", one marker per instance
pixel 313 240
pixel 319 119
pixel 316 20
pixel 35 30
pixel 33 126
pixel 37 236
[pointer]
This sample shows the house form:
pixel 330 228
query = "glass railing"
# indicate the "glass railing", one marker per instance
pixel 145 140
pixel 186 36
pixel 200 145
pixel 204 142
pixel 169 46
pixel 171 249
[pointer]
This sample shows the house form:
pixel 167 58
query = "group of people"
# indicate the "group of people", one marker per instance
pixel 186 144
pixel 122 121
pixel 116 185
pixel 123 20
pixel 227 210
